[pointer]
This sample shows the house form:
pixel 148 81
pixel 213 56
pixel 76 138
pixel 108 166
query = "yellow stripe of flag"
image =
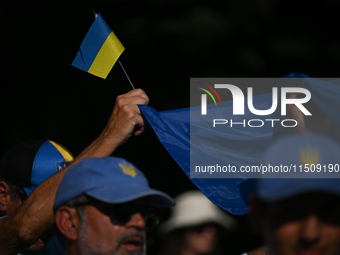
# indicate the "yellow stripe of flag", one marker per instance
pixel 107 56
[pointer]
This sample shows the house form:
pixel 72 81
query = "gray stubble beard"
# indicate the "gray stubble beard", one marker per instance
pixel 87 248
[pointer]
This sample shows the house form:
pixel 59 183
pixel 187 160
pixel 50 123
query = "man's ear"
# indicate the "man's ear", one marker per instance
pixel 68 222
pixel 4 196
pixel 255 215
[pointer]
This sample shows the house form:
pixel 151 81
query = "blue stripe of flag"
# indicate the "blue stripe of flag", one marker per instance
pixel 92 43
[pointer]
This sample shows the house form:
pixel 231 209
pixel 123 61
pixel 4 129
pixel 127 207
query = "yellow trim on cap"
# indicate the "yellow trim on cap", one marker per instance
pixel 67 156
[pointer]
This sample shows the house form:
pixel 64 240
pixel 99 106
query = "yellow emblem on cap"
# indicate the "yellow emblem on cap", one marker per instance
pixel 309 155
pixel 62 165
pixel 128 169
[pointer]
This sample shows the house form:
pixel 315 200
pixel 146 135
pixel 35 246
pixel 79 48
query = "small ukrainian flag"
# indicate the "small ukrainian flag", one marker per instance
pixel 99 50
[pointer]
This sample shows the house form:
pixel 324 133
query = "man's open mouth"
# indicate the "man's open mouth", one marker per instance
pixel 310 251
pixel 133 243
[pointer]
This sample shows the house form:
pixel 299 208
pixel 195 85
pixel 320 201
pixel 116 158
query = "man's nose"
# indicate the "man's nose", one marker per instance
pixel 137 221
pixel 310 231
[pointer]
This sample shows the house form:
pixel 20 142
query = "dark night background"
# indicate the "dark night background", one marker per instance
pixel 167 42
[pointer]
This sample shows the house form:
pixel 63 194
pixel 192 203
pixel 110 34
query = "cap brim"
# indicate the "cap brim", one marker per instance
pixel 279 189
pixel 29 191
pixel 122 194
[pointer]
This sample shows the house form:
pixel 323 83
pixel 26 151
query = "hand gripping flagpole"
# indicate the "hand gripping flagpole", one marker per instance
pixel 127 76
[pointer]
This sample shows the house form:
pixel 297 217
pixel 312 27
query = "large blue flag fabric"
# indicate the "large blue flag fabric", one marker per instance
pixel 244 147
pixel 173 130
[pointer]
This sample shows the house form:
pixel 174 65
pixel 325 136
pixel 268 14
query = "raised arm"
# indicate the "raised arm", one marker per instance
pixel 35 217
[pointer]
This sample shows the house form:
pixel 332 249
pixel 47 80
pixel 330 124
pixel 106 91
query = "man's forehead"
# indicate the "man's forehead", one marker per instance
pixel 140 201
pixel 143 201
pixel 325 206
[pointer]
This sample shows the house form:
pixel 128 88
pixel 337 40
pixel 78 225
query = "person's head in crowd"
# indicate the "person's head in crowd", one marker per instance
pixel 322 106
pixel 196 226
pixel 318 122
pixel 105 206
pixel 24 166
pixel 300 216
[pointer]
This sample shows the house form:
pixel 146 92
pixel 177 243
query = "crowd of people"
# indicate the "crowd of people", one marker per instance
pixel 52 203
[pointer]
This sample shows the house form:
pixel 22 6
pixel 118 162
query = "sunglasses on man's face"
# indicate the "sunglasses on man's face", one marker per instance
pixel 121 214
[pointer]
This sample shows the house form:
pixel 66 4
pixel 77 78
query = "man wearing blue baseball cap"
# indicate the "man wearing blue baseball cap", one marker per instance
pixel 104 206
pixel 299 213
pixel 30 174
